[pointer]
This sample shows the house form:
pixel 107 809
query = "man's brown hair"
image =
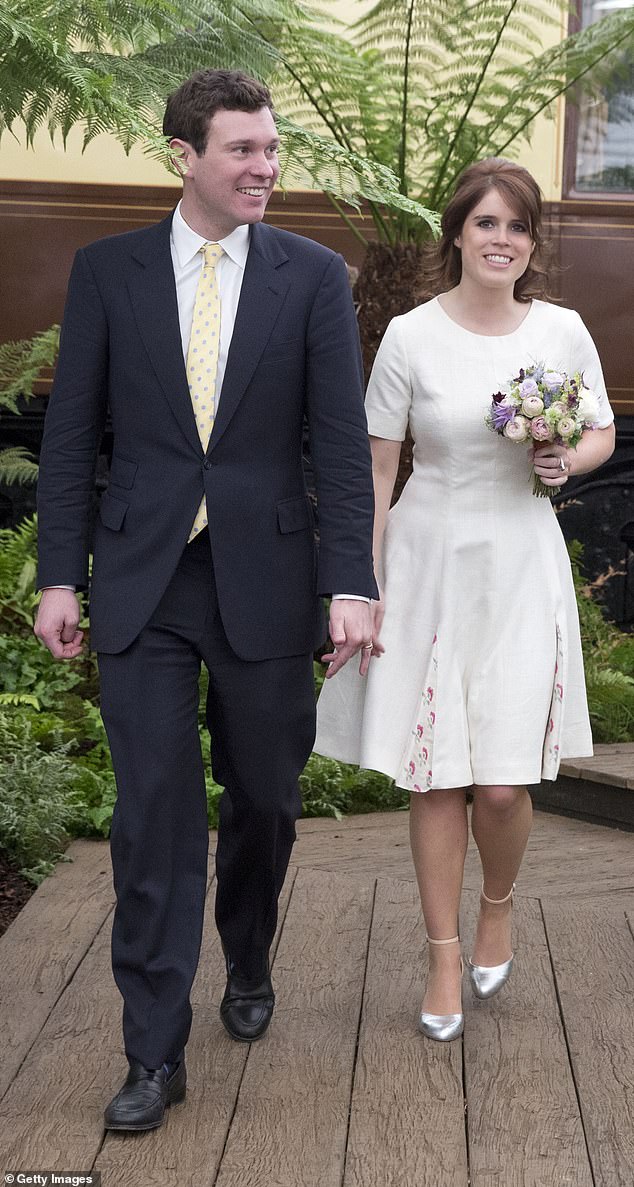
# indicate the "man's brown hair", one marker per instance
pixel 191 107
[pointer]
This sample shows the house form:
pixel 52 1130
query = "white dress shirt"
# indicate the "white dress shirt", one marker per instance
pixel 187 261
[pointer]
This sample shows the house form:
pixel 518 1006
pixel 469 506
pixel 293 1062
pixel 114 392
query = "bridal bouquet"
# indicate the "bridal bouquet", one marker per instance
pixel 543 406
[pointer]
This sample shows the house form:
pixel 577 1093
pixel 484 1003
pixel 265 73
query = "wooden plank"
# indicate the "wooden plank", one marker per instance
pixel 291 1118
pixel 612 771
pixel 407 1122
pixel 359 850
pixel 43 947
pixel 599 801
pixel 52 1113
pixel 524 1125
pixel 564 856
pixel 362 820
pixel 187 1149
pixel 609 764
pixel 593 955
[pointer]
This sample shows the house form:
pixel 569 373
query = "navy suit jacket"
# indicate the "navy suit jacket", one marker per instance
pixel 294 355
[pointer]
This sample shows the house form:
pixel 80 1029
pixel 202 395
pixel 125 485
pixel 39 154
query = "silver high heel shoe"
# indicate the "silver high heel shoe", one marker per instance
pixel 485 980
pixel 443 1027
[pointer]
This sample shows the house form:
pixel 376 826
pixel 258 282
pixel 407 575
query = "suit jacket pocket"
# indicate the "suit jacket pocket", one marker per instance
pixel 112 511
pixel 294 514
pixel 123 471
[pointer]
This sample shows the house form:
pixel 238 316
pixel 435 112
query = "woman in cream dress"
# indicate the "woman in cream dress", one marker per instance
pixel 476 678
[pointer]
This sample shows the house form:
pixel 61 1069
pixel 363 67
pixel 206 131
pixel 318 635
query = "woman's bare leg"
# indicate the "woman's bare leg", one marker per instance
pixel 501 823
pixel 439 835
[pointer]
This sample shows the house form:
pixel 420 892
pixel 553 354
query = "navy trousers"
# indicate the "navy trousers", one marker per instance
pixel 261 719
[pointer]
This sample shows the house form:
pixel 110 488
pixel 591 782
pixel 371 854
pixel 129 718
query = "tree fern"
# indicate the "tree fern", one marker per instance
pixel 446 82
pixel 108 65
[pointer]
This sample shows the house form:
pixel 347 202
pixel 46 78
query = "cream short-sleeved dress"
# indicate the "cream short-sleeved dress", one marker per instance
pixel 482 677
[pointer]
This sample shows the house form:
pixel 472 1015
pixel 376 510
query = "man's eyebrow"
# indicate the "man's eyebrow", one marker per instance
pixel 246 143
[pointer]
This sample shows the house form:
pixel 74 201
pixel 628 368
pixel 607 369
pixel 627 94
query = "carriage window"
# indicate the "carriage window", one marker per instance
pixel 605 119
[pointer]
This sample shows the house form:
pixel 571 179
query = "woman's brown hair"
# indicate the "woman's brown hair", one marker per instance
pixel 520 191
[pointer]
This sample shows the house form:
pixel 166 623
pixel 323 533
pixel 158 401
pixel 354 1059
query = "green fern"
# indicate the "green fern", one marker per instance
pixel 443 83
pixel 108 65
pixel 18 549
pixel 21 364
pixel 15 699
pixel 17 465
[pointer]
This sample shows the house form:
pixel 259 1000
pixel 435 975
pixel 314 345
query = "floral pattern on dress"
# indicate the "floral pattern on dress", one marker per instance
pixel 552 743
pixel 418 758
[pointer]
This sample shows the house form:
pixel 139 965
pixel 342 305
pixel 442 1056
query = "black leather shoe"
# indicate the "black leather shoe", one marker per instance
pixel 247 1006
pixel 142 1101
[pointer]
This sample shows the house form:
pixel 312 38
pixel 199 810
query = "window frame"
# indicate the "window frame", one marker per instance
pixel 571 142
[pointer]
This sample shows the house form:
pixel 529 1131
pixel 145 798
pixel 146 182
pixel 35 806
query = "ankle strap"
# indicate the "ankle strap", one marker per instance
pixel 497 901
pixel 453 940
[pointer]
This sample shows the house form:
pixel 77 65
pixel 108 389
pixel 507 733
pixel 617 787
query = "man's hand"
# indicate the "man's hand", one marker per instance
pixel 57 621
pixel 350 630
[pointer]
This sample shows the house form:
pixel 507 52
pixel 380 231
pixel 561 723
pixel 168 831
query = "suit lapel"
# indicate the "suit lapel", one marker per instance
pixel 153 292
pixel 262 295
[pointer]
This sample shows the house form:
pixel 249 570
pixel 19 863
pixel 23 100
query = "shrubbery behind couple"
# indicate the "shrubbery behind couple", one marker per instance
pixel 209 339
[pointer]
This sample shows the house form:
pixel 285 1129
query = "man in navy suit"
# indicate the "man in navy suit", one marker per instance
pixel 204 550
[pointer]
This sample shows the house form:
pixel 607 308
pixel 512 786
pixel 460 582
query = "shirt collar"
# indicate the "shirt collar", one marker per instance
pixel 187 242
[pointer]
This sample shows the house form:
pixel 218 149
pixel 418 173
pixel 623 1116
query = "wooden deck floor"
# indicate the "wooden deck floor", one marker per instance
pixel 343 1091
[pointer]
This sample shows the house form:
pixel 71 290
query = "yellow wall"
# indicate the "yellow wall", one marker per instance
pixel 105 162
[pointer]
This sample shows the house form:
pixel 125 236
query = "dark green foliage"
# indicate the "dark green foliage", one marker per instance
pixel 609 663
pixel 45 797
pixel 20 366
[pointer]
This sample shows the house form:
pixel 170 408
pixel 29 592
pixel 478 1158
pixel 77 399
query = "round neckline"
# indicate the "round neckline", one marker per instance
pixel 474 334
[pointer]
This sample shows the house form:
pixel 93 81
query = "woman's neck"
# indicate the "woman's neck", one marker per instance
pixel 488 311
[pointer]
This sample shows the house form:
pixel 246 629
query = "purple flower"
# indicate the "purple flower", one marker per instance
pixel 553 380
pixel 501 414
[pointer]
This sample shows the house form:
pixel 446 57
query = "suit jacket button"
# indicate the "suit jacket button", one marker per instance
pixel 207 464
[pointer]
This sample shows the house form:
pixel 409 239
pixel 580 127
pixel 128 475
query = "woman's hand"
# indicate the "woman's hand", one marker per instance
pixel 552 463
pixel 377 610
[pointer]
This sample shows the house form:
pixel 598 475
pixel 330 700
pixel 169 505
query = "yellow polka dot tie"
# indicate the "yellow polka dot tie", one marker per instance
pixel 202 358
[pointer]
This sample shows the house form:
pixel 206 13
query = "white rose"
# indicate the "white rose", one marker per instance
pixel 567 426
pixel 588 406
pixel 516 429
pixel 532 406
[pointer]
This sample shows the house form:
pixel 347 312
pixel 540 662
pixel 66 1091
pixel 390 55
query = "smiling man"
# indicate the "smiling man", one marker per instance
pixel 209 340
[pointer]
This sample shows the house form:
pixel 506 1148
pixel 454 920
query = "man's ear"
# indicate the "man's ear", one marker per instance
pixel 181 155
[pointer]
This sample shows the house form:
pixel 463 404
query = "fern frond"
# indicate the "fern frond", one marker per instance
pixel 17 557
pixel 108 65
pixel 448 82
pixel 15 699
pixel 21 364
pixel 17 465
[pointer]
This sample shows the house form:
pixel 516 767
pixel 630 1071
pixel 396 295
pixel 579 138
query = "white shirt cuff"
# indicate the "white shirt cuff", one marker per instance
pixel 350 598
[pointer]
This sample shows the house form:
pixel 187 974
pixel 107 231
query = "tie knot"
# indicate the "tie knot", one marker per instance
pixel 212 253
